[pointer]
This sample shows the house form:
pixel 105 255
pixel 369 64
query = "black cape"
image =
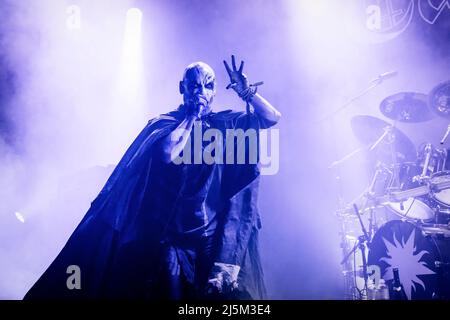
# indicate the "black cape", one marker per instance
pixel 116 243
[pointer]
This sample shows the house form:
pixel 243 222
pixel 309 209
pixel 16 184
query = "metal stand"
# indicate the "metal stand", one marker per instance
pixel 350 276
pixel 373 85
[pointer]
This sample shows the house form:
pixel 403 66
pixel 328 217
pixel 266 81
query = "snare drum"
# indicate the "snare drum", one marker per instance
pixel 418 208
pixel 414 209
pixel 440 183
pixel 421 255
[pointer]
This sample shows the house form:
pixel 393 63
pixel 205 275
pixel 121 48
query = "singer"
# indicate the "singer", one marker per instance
pixel 161 230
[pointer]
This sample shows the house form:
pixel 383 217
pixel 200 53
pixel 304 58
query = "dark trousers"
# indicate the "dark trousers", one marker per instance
pixel 184 268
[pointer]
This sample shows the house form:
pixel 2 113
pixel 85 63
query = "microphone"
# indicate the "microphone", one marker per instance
pixel 197 107
pixel 201 107
pixel 385 76
pixel 446 135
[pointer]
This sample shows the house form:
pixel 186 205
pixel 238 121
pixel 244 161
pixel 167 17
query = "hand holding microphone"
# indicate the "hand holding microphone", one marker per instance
pixel 198 110
pixel 196 107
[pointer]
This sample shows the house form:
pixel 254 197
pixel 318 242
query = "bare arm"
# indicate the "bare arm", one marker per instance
pixel 171 146
pixel 264 109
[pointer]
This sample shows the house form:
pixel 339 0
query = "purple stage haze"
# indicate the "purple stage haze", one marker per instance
pixel 74 94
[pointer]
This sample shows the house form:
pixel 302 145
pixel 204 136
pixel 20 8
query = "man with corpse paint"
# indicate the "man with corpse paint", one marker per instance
pixel 170 223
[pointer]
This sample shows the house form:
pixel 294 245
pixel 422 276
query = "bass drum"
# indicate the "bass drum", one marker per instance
pixel 422 258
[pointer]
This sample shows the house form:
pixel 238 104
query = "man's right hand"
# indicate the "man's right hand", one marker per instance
pixel 173 144
pixel 195 110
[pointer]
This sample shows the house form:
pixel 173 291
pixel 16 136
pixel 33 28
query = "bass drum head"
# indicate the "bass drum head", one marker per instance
pixel 400 244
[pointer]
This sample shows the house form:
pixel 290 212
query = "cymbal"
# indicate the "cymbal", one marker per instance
pixel 407 107
pixel 439 99
pixel 368 130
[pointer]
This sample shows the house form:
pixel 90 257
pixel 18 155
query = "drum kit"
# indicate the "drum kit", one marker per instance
pixel 402 220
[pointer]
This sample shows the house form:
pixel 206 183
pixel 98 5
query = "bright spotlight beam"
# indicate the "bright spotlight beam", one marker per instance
pixel 132 51
pixel 134 20
pixel 129 98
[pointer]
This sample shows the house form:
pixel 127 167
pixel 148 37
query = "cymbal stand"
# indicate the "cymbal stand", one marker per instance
pixel 331 116
pixel 363 240
pixel 349 276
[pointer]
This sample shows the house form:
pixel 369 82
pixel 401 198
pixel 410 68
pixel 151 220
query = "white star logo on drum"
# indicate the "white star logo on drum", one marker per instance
pixel 401 255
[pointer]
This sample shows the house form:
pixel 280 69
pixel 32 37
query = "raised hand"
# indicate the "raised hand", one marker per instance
pixel 238 80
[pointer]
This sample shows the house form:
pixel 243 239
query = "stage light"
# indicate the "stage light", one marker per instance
pixel 73 21
pixel 19 216
pixel 131 74
pixel 134 14
pixel 134 19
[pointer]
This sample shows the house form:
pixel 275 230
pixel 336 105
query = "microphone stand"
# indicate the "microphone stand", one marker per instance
pixel 374 83
pixel 345 158
pixel 363 240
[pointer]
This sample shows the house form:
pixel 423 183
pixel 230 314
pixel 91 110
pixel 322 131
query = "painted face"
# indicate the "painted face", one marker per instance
pixel 198 86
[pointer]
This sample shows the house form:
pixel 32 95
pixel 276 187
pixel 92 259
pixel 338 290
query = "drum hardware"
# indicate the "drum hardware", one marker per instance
pixel 414 186
pixel 431 159
pixel 428 149
pixel 401 196
pixel 362 240
pixel 361 244
pixel 380 292
pixel 442 230
pixel 421 179
pixel 445 135
pixel 346 157
pixel 429 188
pixel 354 273
pixel 440 210
pixel 348 212
pixel 343 212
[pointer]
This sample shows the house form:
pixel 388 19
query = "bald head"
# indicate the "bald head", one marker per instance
pixel 198 86
pixel 200 68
